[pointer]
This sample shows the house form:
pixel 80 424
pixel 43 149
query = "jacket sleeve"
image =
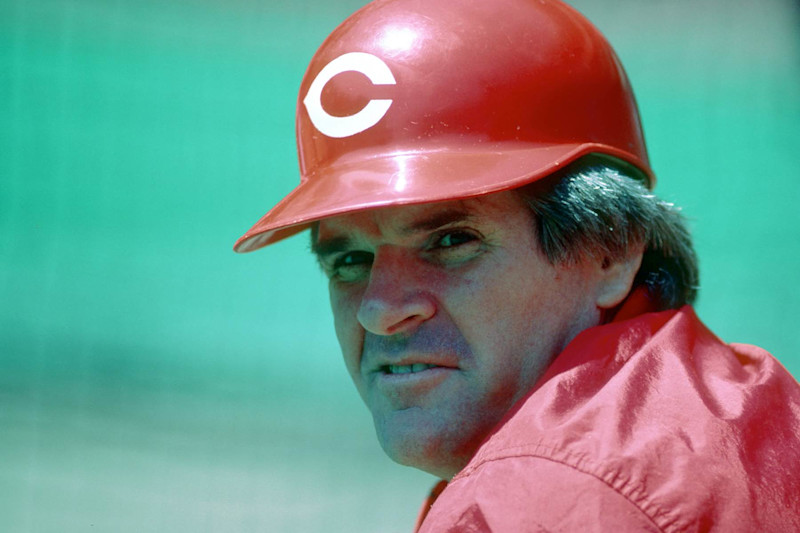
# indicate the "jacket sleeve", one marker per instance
pixel 532 494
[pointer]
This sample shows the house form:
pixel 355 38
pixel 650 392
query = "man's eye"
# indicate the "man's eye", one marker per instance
pixel 455 247
pixel 455 238
pixel 351 266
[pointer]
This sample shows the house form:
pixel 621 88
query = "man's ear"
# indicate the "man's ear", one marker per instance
pixel 616 278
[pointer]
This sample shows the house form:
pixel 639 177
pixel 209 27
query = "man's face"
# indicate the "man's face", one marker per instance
pixel 447 314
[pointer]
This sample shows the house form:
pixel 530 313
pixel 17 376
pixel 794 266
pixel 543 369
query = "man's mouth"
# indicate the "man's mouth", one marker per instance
pixel 406 369
pixel 408 383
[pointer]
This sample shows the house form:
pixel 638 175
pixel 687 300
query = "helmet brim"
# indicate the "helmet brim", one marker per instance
pixel 415 178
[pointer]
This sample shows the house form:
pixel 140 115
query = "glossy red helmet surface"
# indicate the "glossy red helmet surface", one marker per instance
pixel 415 101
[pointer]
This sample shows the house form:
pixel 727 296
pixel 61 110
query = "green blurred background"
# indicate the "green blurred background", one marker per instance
pixel 152 380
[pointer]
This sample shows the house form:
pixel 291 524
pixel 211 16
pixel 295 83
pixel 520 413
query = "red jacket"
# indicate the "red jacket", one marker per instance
pixel 645 424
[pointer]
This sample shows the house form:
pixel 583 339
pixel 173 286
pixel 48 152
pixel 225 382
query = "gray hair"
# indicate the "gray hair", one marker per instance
pixel 595 207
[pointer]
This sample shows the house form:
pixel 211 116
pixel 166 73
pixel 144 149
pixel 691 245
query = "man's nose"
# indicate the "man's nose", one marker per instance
pixel 396 299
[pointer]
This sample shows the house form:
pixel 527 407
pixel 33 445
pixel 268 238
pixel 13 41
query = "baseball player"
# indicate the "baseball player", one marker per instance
pixel 512 301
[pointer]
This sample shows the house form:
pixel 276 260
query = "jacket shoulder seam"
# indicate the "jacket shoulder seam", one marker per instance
pixel 614 480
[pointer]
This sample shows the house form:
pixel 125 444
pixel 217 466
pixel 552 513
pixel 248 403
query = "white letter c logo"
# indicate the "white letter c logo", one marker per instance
pixel 373 68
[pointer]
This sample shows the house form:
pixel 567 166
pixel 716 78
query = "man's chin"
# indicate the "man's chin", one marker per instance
pixel 421 446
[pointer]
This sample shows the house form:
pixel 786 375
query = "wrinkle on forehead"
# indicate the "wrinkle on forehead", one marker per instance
pixel 409 219
pixel 334 233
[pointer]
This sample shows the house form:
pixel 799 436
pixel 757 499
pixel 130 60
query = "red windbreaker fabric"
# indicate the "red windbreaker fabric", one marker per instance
pixel 646 424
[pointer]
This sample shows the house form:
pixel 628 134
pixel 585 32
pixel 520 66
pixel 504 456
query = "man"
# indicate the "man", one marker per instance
pixel 510 299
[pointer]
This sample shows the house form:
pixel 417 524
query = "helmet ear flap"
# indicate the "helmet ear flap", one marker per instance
pixel 412 102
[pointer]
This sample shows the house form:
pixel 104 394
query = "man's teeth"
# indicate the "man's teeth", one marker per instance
pixel 408 369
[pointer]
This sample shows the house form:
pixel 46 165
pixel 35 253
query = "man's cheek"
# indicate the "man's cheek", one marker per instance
pixel 350 335
pixel 350 346
pixel 345 319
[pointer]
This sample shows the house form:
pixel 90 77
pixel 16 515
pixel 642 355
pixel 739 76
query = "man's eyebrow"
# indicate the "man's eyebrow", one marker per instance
pixel 326 247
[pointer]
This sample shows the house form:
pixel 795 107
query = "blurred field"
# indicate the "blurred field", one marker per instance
pixel 152 380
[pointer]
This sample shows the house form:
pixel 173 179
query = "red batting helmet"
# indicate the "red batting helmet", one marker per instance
pixel 415 101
